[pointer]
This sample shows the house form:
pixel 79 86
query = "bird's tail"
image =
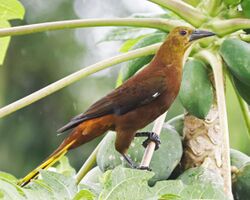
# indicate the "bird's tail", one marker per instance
pixel 53 158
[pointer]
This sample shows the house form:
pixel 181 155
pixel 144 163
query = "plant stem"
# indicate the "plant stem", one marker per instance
pixel 88 165
pixel 149 151
pixel 215 62
pixel 75 77
pixel 158 23
pixel 223 27
pixel 184 10
pixel 243 104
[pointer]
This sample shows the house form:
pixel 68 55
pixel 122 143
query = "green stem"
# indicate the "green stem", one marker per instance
pixel 192 2
pixel 88 165
pixel 212 7
pixel 243 105
pixel 75 77
pixel 158 23
pixel 223 27
pixel 184 10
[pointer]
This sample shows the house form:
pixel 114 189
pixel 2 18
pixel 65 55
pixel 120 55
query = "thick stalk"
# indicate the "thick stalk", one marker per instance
pixel 50 89
pixel 158 23
pixel 215 62
pixel 190 14
pixel 223 27
pixel 149 151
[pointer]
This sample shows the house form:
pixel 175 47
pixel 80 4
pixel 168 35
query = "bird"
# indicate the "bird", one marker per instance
pixel 133 105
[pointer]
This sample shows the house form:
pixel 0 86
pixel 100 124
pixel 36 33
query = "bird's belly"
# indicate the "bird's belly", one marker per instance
pixel 142 116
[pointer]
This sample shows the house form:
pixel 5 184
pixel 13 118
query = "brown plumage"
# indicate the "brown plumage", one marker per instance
pixel 133 105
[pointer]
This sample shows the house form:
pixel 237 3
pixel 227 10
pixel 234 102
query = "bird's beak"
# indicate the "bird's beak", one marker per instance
pixel 197 34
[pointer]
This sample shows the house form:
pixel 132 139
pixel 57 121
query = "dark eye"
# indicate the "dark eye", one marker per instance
pixel 182 32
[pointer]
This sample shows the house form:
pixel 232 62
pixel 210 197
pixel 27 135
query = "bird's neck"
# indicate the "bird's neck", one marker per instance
pixel 170 55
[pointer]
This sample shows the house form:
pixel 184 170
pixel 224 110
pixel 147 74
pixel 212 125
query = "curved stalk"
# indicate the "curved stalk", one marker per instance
pixel 245 37
pixel 50 89
pixel 88 165
pixel 184 10
pixel 158 23
pixel 215 61
pixel 223 27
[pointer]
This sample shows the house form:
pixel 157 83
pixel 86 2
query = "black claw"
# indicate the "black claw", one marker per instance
pixel 144 168
pixel 154 138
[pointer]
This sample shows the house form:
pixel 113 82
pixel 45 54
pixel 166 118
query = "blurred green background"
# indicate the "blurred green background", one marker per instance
pixel 28 136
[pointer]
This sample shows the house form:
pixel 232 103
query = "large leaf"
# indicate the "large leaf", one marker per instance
pixel 122 183
pixel 11 9
pixel 164 161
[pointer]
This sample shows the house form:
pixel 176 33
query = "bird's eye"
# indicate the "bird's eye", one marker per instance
pixel 182 32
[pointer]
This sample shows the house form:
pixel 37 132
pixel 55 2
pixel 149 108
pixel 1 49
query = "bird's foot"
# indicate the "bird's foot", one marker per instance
pixel 151 137
pixel 144 168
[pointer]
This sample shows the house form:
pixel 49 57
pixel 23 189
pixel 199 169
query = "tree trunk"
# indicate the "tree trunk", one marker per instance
pixel 203 144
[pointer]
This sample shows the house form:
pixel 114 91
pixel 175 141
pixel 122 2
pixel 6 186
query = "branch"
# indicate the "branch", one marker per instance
pixel 148 154
pixel 75 77
pixel 223 27
pixel 158 23
pixel 184 10
pixel 216 63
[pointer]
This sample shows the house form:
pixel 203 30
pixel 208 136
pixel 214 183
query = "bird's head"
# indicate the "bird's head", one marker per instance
pixel 182 37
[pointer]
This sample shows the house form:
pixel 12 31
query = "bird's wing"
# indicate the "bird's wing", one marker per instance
pixel 122 100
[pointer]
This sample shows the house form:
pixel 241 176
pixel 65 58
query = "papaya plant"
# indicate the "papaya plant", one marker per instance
pixel 195 151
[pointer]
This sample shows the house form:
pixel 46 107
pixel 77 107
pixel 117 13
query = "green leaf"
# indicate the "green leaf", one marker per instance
pixel 84 195
pixel 125 33
pixel 201 175
pixel 10 191
pixel 64 167
pixel 65 188
pixel 123 183
pixel 11 9
pixel 246 8
pixel 126 46
pixel 196 92
pixel 4 41
pixel 92 180
pixel 164 160
pixel 8 177
pixel 232 2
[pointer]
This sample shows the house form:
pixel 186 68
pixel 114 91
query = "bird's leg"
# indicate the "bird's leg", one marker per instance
pixel 133 165
pixel 151 137
pixel 129 161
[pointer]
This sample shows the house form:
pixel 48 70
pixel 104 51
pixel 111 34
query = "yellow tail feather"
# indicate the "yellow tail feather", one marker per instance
pixel 45 165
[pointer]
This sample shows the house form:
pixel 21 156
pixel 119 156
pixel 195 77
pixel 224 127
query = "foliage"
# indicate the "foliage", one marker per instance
pixel 117 182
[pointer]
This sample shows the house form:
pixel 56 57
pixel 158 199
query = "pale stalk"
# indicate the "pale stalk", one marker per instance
pixel 50 89
pixel 245 37
pixel 149 151
pixel 223 27
pixel 158 23
pixel 88 165
pixel 215 62
pixel 190 14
